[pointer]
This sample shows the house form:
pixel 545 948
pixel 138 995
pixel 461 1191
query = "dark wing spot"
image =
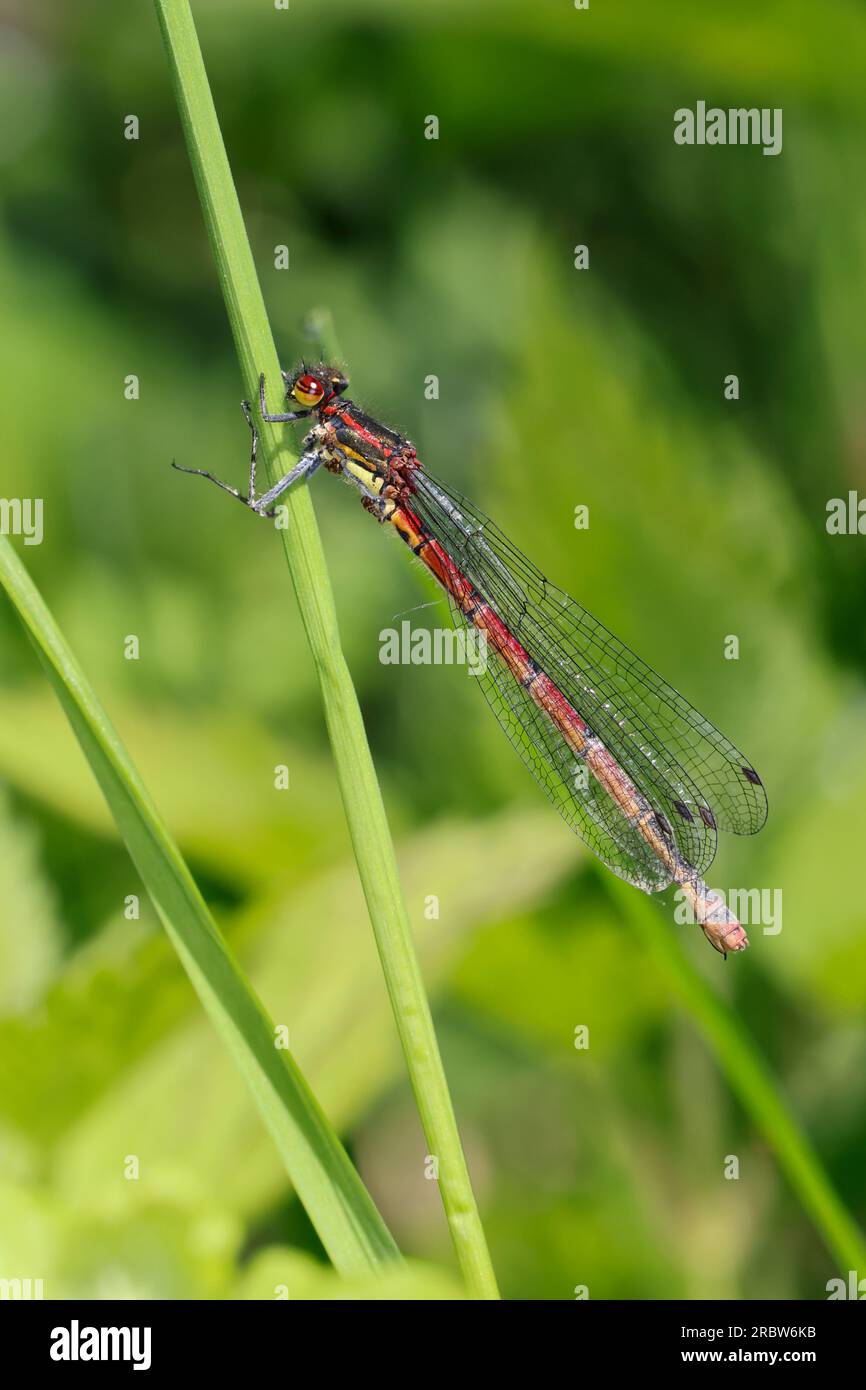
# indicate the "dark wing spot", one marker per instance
pixel 664 825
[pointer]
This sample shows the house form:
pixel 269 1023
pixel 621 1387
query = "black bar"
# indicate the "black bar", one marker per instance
pixel 231 1338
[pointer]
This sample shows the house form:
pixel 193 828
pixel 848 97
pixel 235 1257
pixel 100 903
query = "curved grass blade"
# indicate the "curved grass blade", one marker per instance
pixel 751 1080
pixel 338 1204
pixel 362 798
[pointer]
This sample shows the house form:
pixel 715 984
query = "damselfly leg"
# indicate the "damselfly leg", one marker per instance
pixel 263 506
pixel 285 418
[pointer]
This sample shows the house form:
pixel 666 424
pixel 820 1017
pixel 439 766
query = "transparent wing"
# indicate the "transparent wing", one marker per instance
pixel 581 801
pixel 694 778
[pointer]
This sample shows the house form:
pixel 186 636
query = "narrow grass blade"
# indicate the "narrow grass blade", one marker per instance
pixel 750 1078
pixel 362 799
pixel 335 1199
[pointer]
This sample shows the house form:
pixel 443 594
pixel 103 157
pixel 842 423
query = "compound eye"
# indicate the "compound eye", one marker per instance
pixel 308 390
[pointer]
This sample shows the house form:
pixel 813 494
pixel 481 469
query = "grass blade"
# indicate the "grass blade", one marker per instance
pixel 362 799
pixel 750 1079
pixel 330 1189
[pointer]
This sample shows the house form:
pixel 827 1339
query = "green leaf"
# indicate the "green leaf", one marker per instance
pixel 192 757
pixel 282 1273
pixel 339 1206
pixel 328 984
pixel 30 932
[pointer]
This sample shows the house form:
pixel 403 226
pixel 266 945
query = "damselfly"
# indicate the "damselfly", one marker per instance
pixel 643 778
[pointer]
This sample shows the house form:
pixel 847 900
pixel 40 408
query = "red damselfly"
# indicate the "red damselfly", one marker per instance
pixel 643 778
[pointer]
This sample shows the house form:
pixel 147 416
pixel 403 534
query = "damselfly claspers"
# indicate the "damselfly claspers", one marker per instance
pixel 643 778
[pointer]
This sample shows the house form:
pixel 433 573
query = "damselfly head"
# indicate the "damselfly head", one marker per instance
pixel 314 386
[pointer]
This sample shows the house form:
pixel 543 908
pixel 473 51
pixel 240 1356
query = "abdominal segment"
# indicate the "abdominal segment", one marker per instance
pixel 720 926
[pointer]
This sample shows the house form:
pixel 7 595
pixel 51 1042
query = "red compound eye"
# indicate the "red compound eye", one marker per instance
pixel 308 389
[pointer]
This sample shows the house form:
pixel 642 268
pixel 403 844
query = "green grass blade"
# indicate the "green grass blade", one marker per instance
pixel 362 799
pixel 335 1199
pixel 750 1079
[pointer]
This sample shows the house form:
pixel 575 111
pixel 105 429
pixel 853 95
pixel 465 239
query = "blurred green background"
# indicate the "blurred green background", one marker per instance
pixel 557 387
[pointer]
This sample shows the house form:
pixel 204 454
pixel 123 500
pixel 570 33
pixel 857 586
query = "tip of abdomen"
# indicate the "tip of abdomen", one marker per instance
pixel 718 924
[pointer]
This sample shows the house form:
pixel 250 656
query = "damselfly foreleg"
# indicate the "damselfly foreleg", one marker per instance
pixel 304 468
pixel 263 506
pixel 287 417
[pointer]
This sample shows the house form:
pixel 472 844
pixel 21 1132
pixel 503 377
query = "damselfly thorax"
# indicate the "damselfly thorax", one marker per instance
pixel 377 461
